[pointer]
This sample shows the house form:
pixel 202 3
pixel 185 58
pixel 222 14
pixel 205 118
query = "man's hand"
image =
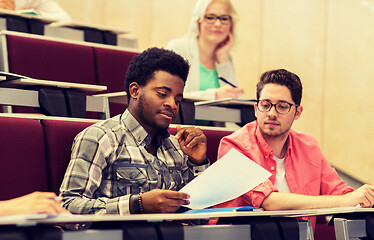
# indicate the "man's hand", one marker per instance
pixel 363 196
pixel 163 201
pixel 193 143
pixel 7 4
pixel 36 202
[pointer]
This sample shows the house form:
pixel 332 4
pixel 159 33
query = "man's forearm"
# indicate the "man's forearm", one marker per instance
pixel 291 201
pixel 80 205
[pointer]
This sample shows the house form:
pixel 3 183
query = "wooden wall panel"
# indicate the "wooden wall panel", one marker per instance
pixel 246 51
pixel 90 11
pixel 293 38
pixel 349 115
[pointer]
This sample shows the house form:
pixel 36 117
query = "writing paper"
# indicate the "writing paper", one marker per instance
pixel 228 178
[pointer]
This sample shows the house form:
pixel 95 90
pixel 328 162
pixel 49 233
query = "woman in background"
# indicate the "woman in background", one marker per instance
pixel 207 48
pixel 44 8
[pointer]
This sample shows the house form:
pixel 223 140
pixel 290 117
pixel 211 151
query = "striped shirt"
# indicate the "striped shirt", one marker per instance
pixel 109 162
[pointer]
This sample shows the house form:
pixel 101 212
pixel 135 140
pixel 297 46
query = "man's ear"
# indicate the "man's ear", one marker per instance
pixel 298 112
pixel 134 90
pixel 255 109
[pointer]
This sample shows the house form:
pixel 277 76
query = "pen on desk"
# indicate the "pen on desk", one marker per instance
pixel 227 82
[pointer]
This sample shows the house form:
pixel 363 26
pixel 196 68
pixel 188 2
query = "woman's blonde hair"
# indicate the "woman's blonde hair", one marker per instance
pixel 199 12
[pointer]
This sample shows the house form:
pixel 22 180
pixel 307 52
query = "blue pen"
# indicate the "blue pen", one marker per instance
pixel 227 82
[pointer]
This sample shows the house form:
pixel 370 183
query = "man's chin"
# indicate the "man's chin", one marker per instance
pixel 163 124
pixel 270 133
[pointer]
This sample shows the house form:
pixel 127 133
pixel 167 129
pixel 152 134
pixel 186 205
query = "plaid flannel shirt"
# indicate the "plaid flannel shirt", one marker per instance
pixel 109 162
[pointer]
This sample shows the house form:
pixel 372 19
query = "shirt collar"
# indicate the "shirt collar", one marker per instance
pixel 265 148
pixel 140 134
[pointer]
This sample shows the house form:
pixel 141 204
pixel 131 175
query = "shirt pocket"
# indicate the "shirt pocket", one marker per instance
pixel 176 178
pixel 131 178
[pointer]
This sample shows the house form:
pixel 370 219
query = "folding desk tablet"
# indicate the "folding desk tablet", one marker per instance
pixel 239 111
pixel 145 226
pixel 53 98
pixel 27 23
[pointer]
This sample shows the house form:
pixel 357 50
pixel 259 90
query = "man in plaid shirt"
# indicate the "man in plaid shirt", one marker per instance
pixel 130 164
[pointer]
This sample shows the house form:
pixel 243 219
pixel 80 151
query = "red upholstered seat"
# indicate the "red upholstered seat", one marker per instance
pixel 111 67
pixel 323 231
pixel 59 136
pixel 51 60
pixel 22 159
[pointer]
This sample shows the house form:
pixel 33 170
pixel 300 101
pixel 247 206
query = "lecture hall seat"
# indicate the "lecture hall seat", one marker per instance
pixel 59 136
pixel 22 157
pixel 111 66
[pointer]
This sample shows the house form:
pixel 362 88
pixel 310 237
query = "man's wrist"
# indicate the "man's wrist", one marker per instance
pixel 134 206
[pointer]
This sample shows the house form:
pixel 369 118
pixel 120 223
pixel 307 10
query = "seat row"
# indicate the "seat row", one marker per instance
pixel 34 153
pixel 54 59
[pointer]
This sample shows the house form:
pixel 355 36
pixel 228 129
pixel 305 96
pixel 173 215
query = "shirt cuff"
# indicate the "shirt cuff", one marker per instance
pixel 123 205
pixel 197 169
pixel 261 192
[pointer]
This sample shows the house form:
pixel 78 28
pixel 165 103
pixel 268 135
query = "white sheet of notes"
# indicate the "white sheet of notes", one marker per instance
pixel 228 178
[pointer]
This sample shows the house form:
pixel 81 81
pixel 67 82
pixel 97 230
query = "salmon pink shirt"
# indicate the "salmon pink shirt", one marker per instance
pixel 307 170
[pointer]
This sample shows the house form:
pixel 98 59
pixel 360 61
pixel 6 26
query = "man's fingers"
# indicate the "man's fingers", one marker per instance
pixel 179 132
pixel 176 195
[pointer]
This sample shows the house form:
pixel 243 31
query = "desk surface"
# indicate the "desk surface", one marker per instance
pixel 69 41
pixel 83 25
pixel 47 219
pixel 226 102
pixel 67 218
pixel 49 83
pixel 4 12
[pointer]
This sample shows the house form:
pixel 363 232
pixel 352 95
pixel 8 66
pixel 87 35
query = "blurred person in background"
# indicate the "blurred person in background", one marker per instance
pixel 207 48
pixel 44 8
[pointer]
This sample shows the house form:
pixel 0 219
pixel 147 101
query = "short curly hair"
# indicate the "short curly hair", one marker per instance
pixel 284 78
pixel 143 66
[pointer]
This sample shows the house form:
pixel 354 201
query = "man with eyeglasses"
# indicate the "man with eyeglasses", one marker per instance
pixel 301 176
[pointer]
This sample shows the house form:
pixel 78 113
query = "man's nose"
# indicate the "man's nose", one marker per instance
pixel 171 103
pixel 272 112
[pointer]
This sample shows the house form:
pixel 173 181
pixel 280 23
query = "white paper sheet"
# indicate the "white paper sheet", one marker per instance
pixel 228 178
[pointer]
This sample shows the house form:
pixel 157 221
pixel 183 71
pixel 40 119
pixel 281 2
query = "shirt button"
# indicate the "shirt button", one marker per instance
pixel 272 168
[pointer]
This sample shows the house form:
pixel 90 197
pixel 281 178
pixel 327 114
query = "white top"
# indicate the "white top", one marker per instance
pixel 45 8
pixel 280 179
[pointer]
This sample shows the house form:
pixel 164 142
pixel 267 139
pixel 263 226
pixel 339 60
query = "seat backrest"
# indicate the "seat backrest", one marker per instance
pixel 22 158
pixel 51 60
pixel 213 139
pixel 111 66
pixel 59 136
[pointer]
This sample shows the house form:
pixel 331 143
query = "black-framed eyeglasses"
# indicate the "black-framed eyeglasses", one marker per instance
pixel 224 19
pixel 282 107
